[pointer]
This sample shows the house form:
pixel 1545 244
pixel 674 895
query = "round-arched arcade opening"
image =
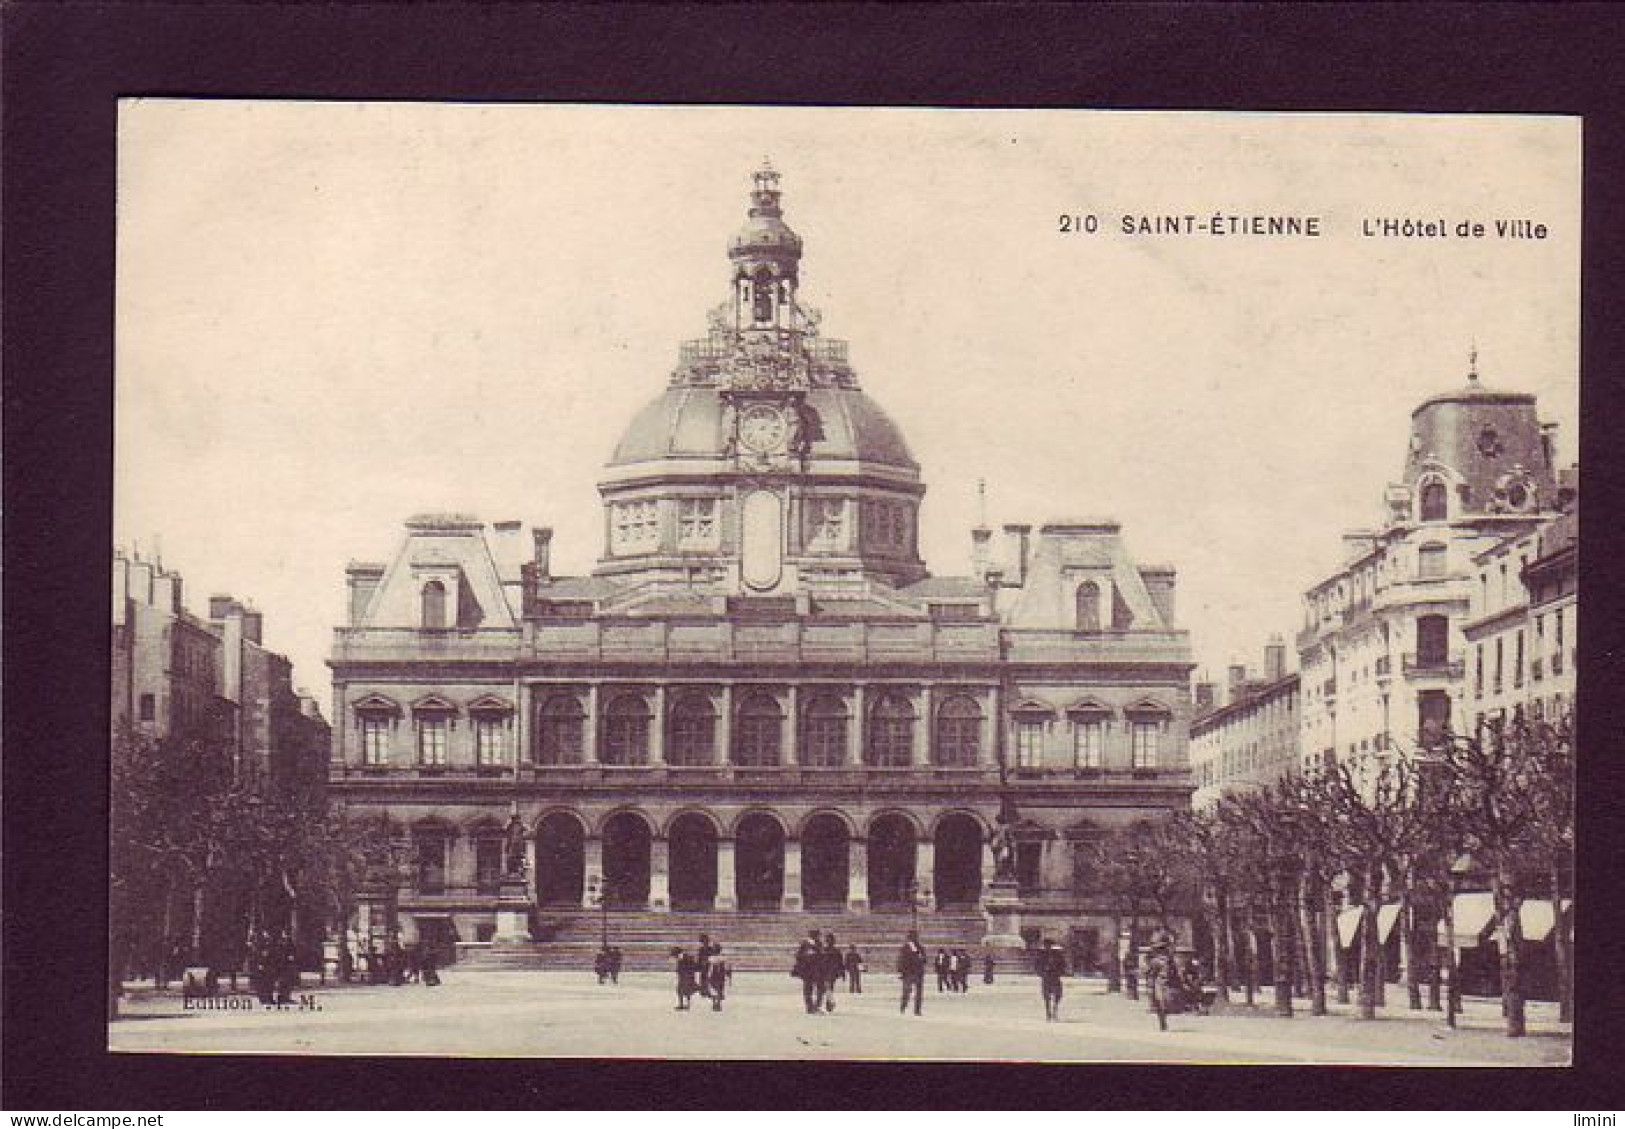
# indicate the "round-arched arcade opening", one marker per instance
pixel 891 862
pixel 826 860
pixel 560 860
pixel 627 840
pixel 759 862
pixel 693 847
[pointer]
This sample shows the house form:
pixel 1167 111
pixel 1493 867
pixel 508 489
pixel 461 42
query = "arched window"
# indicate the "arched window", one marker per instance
pixel 823 732
pixel 1434 503
pixel 1430 561
pixel 626 731
pixel 560 725
pixel 891 733
pixel 434 606
pixel 758 731
pixel 1088 606
pixel 959 732
pixel 693 731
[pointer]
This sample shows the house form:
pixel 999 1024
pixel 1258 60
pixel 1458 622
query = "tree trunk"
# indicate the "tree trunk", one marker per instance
pixel 1221 947
pixel 1114 962
pixel 1511 933
pixel 1131 975
pixel 1413 971
pixel 1370 947
pixel 1281 958
pixel 1452 995
pixel 1340 956
pixel 1430 939
pixel 1562 956
pixel 1251 941
pixel 1313 947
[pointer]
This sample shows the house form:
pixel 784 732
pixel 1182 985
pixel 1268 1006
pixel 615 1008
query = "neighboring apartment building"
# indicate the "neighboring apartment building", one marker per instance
pixel 760 699
pixel 1522 625
pixel 1382 654
pixel 1250 740
pixel 177 675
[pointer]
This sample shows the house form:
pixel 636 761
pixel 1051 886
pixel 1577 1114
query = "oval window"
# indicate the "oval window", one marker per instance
pixel 762 539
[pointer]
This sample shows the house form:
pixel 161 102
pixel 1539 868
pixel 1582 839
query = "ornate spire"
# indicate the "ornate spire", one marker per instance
pixel 1472 363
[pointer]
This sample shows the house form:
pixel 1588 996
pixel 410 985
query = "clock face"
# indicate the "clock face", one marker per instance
pixel 762 428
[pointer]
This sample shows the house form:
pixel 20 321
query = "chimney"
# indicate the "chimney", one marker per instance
pixel 222 607
pixel 505 550
pixel 1238 679
pixel 169 592
pixel 981 542
pixel 542 553
pixel 1548 442
pixel 141 582
pixel 253 625
pixel 1275 659
pixel 1017 537
pixel 363 579
pixel 1207 696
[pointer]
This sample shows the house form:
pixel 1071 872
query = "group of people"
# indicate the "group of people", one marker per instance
pixel 820 964
pixel 954 970
pixel 273 967
pixel 702 972
pixel 607 964
pixel 394 963
pixel 1174 980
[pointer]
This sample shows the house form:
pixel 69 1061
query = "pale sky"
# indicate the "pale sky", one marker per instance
pixel 332 316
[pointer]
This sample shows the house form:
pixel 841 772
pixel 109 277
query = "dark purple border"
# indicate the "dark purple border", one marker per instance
pixel 64 66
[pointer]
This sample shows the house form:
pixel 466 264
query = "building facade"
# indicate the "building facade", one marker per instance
pixel 1250 740
pixel 175 674
pixel 1383 653
pixel 760 699
pixel 1522 623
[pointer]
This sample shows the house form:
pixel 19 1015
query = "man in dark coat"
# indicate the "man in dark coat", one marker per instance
pixel 854 970
pixel 716 978
pixel 702 961
pixel 809 970
pixel 961 970
pixel 687 981
pixel 911 961
pixel 832 966
pixel 1051 965
pixel 615 959
pixel 944 966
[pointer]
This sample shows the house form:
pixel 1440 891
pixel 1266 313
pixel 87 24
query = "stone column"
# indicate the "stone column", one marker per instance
pixel 922 730
pixel 792 874
pixel 860 716
pixel 989 752
pixel 925 869
pixel 727 897
pixel 657 730
pixel 857 890
pixel 990 867
pixel 659 876
pixel 723 753
pixel 531 888
pixel 593 858
pixel 792 734
pixel 589 729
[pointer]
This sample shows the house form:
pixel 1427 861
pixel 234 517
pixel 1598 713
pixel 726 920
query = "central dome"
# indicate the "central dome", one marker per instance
pixel 844 425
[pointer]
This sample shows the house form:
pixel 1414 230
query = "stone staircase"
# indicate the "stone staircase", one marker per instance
pixel 752 941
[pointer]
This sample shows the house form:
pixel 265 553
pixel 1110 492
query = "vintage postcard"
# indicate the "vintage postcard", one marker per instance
pixel 844 583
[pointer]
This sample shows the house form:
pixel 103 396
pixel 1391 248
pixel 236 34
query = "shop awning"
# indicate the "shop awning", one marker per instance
pixel 1386 916
pixel 1348 926
pixel 1472 914
pixel 1535 918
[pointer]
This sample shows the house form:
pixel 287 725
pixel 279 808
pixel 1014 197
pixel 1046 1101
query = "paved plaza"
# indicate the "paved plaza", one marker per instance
pixel 507 1012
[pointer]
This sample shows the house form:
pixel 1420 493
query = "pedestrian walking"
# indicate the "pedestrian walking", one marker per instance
pixel 429 967
pixel 944 967
pixel 702 964
pixel 854 970
pixel 832 966
pixel 961 971
pixel 987 968
pixel 911 961
pixel 600 965
pixel 808 970
pixel 1158 974
pixel 1051 964
pixel 717 975
pixel 615 958
pixel 687 983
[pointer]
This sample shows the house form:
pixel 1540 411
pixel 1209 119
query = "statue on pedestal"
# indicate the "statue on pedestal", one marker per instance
pixel 514 846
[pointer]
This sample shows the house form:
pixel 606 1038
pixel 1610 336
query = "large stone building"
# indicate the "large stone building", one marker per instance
pixel 1250 740
pixel 175 674
pixel 1522 622
pixel 1382 653
pixel 760 699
